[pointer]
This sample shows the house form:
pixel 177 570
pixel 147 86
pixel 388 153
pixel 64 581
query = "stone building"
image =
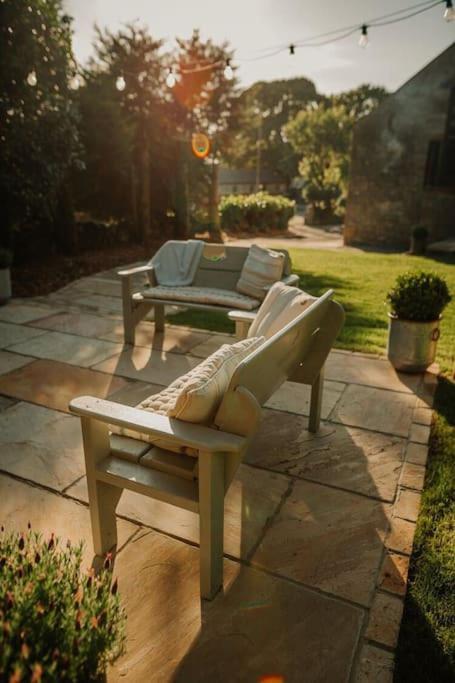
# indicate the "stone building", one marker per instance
pixel 403 162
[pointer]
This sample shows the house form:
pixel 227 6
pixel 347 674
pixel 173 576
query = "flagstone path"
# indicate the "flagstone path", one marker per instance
pixel 319 528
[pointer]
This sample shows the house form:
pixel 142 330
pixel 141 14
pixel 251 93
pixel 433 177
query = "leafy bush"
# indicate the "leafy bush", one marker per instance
pixel 6 258
pixel 56 624
pixel 420 296
pixel 255 212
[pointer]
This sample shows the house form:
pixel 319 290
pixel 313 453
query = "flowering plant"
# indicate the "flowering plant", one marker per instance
pixel 56 623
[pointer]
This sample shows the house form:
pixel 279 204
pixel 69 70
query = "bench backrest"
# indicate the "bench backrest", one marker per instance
pixel 298 351
pixel 223 272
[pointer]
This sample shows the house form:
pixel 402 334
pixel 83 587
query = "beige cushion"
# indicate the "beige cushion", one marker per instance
pixel 261 269
pixel 196 396
pixel 203 295
pixel 281 305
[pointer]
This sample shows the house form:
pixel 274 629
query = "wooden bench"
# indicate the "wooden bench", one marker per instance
pixel 220 273
pixel 297 353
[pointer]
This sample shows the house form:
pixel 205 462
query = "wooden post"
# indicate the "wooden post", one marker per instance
pixel 211 522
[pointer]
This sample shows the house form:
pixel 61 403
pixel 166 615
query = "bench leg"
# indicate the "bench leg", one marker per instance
pixel 103 498
pixel 241 329
pixel 316 402
pixel 159 317
pixel 211 522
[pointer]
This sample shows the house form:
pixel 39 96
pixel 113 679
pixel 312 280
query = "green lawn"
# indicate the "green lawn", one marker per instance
pixel 361 281
pixel 426 649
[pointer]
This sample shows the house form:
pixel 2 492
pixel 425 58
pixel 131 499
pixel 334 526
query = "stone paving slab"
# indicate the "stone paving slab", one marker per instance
pixel 328 539
pixel 376 666
pixel 385 618
pixel 260 626
pixel 53 384
pixel 172 341
pixel 376 409
pixel 346 457
pixel 5 403
pixel 67 348
pixel 42 445
pixel 11 361
pixel 250 504
pixel 295 398
pixel 146 365
pixel 47 512
pixel 82 324
pixel 14 334
pixel 23 313
pixel 211 344
pixel 373 372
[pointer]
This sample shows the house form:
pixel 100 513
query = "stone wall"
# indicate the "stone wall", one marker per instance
pixel 387 196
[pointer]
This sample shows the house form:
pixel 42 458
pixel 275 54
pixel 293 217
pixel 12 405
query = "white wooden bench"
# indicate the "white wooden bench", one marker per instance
pixel 219 273
pixel 297 353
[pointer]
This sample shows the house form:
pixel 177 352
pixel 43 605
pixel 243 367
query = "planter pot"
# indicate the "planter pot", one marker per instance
pixel 412 345
pixel 5 285
pixel 418 246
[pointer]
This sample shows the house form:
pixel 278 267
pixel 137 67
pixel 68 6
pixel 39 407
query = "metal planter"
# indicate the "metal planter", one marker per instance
pixel 412 345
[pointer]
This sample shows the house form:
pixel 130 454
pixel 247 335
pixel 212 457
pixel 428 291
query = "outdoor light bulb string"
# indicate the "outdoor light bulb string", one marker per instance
pixel 317 40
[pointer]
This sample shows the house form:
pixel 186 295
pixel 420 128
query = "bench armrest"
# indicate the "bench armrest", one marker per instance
pixel 134 271
pixel 291 280
pixel 182 433
pixel 242 316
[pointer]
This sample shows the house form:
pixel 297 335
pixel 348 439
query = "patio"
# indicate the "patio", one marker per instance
pixel 319 528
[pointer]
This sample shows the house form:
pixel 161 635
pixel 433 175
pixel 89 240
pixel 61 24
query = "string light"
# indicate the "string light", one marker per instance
pixel 363 40
pixel 31 79
pixel 449 14
pixel 120 83
pixel 75 82
pixel 228 71
pixel 171 80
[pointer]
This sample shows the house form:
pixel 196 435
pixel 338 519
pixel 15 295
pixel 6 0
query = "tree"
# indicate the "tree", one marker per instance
pixel 131 62
pixel 266 107
pixel 321 135
pixel 206 102
pixel 38 139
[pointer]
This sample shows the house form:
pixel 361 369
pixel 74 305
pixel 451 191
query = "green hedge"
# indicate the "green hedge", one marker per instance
pixel 255 212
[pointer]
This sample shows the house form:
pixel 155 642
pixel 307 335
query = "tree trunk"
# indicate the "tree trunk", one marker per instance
pixel 182 215
pixel 145 204
pixel 215 228
pixel 134 231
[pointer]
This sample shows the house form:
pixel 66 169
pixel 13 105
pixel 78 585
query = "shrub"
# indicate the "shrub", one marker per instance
pixel 420 296
pixel 56 624
pixel 255 212
pixel 6 258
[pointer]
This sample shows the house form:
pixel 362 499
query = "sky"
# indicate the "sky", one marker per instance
pixel 393 55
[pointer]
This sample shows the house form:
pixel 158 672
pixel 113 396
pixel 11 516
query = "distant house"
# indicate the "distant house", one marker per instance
pixel 243 181
pixel 403 162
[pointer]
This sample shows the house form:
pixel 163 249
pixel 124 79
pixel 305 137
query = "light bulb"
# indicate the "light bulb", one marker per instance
pixel 75 82
pixel 120 83
pixel 363 40
pixel 449 14
pixel 31 79
pixel 170 80
pixel 228 71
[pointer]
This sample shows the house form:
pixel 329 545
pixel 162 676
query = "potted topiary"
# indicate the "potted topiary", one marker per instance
pixel 6 258
pixel 419 239
pixel 56 623
pixel 417 301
